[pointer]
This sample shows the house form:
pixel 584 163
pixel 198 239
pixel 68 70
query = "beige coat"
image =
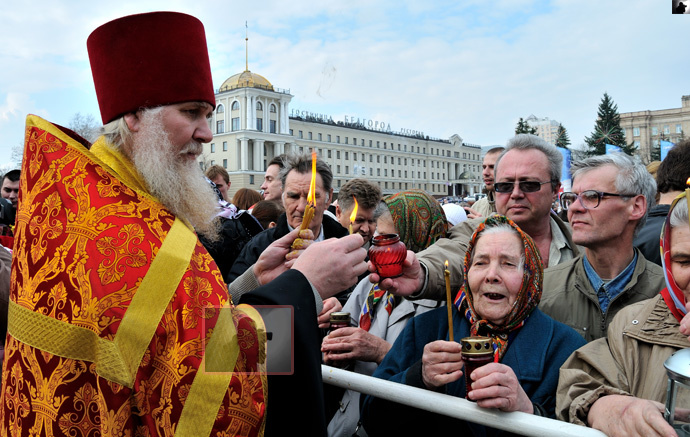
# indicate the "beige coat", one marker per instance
pixel 486 205
pixel 569 297
pixel 630 362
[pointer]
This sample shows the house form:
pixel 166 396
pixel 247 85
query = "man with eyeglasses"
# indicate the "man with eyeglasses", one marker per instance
pixel 527 180
pixel 608 205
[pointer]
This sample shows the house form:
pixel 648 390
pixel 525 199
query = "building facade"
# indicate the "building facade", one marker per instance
pixel 253 123
pixel 647 128
pixel 546 128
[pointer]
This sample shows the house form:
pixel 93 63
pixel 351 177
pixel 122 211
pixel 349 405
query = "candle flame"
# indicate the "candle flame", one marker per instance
pixel 311 197
pixel 353 216
pixel 446 264
pixel 687 182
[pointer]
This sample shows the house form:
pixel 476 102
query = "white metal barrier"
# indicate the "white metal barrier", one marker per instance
pixel 516 422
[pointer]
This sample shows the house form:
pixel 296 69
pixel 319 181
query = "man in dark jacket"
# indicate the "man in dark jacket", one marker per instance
pixel 296 179
pixel 671 179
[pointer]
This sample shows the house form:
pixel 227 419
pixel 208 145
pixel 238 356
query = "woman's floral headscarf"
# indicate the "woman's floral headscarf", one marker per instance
pixel 527 299
pixel 420 221
pixel 418 217
pixel 673 296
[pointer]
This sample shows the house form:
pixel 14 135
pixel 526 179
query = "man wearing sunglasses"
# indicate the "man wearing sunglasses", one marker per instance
pixel 527 180
pixel 608 205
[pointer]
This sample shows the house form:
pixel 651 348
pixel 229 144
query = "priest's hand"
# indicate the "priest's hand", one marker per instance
pixel 411 281
pixel 347 344
pixel 274 259
pixel 495 385
pixel 441 363
pixel 627 416
pixel 333 265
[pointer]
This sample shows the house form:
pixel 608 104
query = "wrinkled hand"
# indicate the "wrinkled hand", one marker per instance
pixel 274 259
pixel 333 265
pixel 409 283
pixel 354 344
pixel 330 305
pixel 472 213
pixel 627 416
pixel 496 386
pixel 441 363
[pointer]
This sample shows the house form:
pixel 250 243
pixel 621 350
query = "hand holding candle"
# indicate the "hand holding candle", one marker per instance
pixel 449 302
pixel 311 197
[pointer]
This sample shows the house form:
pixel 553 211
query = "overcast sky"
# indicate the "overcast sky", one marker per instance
pixel 466 67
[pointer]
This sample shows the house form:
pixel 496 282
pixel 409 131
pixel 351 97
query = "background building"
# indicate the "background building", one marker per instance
pixel 546 129
pixel 646 128
pixel 252 123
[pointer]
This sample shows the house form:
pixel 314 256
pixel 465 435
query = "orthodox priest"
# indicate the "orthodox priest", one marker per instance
pixel 119 320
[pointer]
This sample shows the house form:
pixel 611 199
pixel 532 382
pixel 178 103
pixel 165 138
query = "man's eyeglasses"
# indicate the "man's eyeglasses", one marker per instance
pixel 525 186
pixel 589 199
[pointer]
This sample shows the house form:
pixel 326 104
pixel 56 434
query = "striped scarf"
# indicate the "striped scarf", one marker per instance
pixel 528 296
pixel 374 297
pixel 673 296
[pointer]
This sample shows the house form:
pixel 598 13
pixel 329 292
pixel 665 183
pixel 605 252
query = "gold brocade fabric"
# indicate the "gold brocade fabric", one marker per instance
pixel 109 321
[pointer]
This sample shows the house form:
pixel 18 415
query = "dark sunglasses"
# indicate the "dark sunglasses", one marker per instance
pixel 525 186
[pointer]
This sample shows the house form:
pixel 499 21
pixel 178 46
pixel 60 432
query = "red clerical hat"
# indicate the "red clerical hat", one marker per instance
pixel 148 60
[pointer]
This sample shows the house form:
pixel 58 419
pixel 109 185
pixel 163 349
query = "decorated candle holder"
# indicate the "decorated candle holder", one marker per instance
pixel 387 253
pixel 476 352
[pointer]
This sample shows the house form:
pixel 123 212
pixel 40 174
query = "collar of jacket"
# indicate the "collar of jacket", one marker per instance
pixel 655 324
pixel 331 228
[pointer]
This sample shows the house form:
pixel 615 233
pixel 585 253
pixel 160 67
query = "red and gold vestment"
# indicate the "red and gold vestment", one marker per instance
pixel 115 308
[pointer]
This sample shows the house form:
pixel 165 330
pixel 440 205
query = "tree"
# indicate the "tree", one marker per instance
pixel 607 130
pixel 524 128
pixel 562 141
pixel 86 126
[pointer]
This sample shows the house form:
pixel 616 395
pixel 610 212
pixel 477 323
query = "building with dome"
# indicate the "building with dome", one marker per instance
pixel 253 123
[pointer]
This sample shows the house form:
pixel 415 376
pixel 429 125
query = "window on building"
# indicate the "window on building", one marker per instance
pixel 309 136
pixel 378 159
pixel 378 144
pixel 329 153
pixel 338 183
pixel 291 133
pixel 337 139
pixel 320 137
pixel 236 123
pixel 272 126
pixel 347 155
pixel 213 162
pixel 346 140
pixel 385 160
pixel 679 129
pixel 299 135
pixel 399 173
pixel 637 144
pixel 354 156
pixel 225 146
pixel 251 179
pixel 655 130
pixel 385 172
pixel 225 163
pixel 220 109
pixel 329 138
pixel 385 184
pixel 337 168
pixel 213 148
pixel 260 124
pixel 220 126
pixel 378 172
pixel 371 171
pixel 636 131
pixel 370 142
pixel 667 130
pixel 259 106
pixel 273 108
pixel 235 105
pixel 347 169
pixel 354 141
pixel 337 154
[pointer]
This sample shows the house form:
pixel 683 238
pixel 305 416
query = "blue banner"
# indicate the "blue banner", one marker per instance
pixel 610 148
pixel 566 181
pixel 665 146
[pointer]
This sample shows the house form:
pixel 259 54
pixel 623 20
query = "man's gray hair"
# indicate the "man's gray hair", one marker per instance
pixel 533 142
pixel 302 164
pixel 117 133
pixel 632 178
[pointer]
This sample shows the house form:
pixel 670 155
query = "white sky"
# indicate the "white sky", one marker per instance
pixel 470 67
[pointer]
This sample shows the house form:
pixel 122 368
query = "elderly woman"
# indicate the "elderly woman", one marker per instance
pixel 503 277
pixel 378 317
pixel 618 384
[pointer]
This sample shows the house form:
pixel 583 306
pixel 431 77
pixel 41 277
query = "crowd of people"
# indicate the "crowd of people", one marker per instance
pixel 136 281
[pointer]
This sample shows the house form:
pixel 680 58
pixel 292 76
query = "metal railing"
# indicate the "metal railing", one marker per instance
pixel 515 422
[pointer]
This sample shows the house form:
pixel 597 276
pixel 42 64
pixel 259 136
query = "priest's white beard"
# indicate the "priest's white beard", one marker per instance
pixel 173 178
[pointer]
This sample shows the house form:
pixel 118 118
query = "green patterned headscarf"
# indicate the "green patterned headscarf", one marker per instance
pixel 418 217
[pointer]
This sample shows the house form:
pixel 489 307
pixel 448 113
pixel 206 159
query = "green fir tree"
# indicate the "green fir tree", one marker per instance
pixel 562 141
pixel 607 130
pixel 524 128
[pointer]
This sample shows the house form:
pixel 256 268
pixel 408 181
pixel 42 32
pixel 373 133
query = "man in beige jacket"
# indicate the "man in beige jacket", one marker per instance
pixel 618 384
pixel 608 205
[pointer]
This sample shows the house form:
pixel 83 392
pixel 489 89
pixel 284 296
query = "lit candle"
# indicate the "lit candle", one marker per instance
pixel 353 216
pixel 449 303
pixel 309 208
